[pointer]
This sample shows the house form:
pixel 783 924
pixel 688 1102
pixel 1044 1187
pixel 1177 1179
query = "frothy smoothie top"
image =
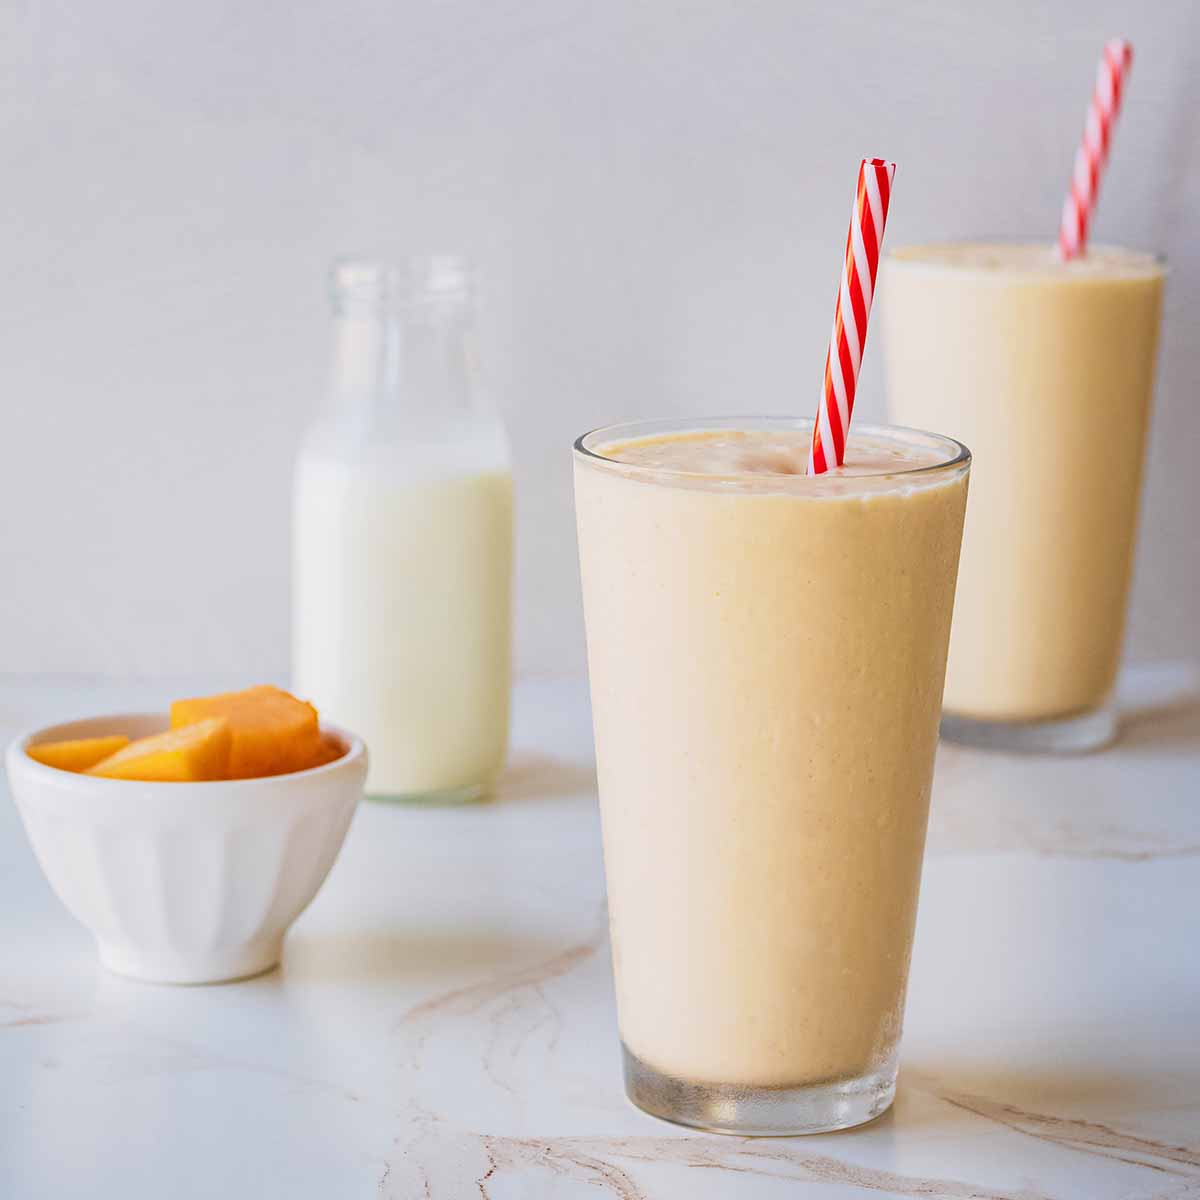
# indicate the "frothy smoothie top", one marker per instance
pixel 1029 258
pixel 776 459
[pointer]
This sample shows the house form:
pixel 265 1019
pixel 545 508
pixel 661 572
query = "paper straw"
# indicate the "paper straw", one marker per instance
pixel 1093 149
pixel 850 314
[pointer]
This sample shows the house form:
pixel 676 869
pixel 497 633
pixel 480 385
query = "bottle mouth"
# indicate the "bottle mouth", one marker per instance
pixel 399 283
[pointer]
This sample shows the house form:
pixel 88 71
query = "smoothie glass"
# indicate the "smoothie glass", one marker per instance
pixel 1046 369
pixel 766 654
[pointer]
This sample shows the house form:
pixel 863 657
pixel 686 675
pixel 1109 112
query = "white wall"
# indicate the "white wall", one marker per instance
pixel 658 191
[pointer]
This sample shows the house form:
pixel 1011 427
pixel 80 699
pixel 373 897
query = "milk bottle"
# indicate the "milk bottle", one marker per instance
pixel 402 538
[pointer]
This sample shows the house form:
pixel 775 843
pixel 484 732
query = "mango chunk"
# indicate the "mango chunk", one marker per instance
pixel 77 754
pixel 191 755
pixel 273 732
pixel 329 749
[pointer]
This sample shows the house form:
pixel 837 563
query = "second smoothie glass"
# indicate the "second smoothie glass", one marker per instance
pixel 1046 369
pixel 766 655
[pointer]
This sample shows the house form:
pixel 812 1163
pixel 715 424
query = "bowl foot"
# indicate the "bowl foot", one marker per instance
pixel 222 965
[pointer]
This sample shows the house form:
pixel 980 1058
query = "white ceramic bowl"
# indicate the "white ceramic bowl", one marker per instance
pixel 184 882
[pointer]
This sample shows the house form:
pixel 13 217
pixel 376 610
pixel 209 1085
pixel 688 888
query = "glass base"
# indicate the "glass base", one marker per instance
pixel 760 1111
pixel 1067 735
pixel 445 798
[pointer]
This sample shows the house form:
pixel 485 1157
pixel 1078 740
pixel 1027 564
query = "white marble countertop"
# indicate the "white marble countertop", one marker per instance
pixel 443 1022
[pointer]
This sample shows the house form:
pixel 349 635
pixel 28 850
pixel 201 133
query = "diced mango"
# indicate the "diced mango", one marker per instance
pixel 77 754
pixel 273 732
pixel 190 755
pixel 329 749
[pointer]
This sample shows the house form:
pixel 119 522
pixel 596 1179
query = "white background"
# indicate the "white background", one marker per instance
pixel 657 191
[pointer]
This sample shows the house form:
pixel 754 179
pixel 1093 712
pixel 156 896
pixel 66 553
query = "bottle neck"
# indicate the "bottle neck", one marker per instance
pixel 403 352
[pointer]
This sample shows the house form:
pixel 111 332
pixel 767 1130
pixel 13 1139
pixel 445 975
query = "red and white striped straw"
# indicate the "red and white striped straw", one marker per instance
pixel 1093 150
pixel 844 357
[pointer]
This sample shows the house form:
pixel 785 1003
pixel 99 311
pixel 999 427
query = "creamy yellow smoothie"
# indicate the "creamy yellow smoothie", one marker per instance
pixel 1045 369
pixel 766 652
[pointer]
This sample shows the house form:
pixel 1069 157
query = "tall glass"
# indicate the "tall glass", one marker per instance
pixel 1047 370
pixel 766 657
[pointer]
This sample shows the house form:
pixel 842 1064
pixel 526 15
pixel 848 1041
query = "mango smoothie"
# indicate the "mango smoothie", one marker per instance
pixel 766 652
pixel 1046 370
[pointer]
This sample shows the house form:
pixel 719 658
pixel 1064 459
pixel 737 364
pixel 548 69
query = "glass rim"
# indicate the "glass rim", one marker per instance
pixel 896 253
pixel 958 456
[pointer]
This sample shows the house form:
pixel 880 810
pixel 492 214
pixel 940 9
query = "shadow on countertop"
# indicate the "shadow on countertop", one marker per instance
pixel 533 776
pixel 409 952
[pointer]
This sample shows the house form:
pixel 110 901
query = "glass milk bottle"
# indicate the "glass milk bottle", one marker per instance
pixel 402 538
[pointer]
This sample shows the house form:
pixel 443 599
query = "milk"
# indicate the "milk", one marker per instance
pixel 402 558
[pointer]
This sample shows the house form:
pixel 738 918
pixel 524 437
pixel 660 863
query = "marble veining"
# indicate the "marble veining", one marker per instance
pixel 1089 1137
pixel 518 1005
pixel 597 1159
pixel 443 1023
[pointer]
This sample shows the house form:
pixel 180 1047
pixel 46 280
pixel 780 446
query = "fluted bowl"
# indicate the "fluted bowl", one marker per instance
pixel 184 882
